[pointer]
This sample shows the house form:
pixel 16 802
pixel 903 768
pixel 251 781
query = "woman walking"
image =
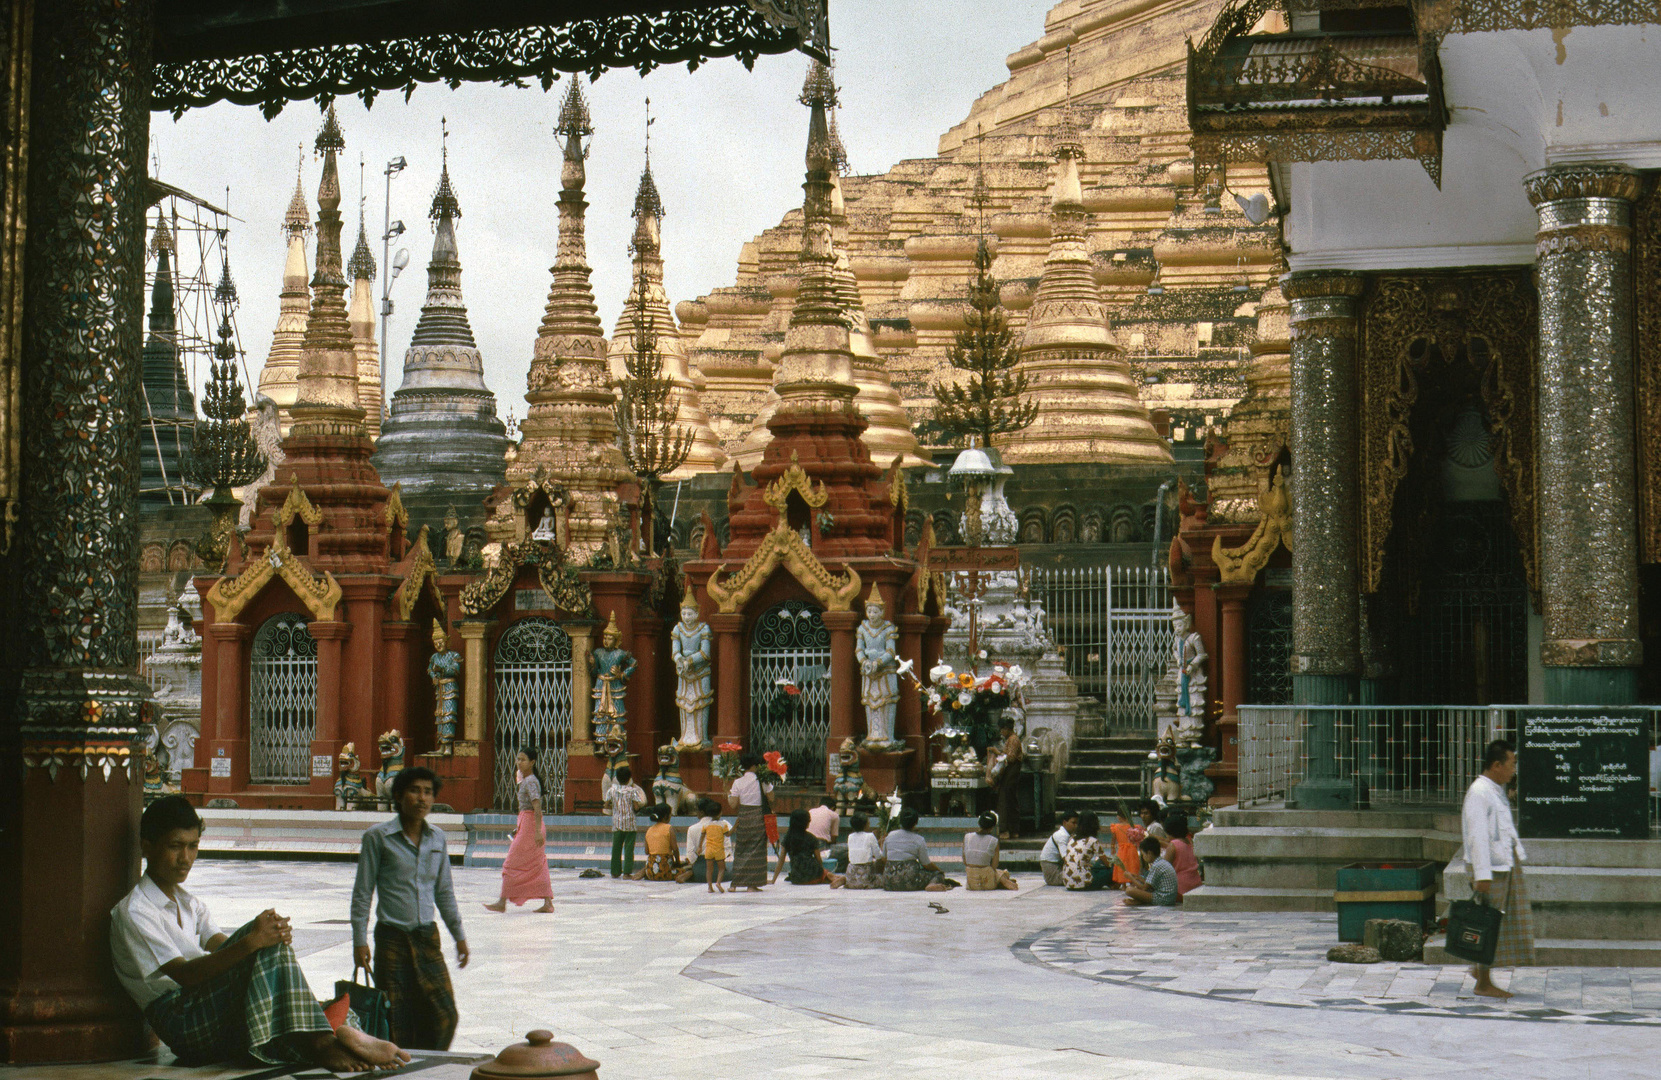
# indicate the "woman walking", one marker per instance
pixel 748 796
pixel 525 870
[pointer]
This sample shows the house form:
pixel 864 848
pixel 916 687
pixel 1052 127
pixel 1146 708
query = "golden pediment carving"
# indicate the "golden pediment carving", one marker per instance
pixel 320 595
pixel 794 479
pixel 395 512
pixel 297 504
pixel 423 571
pixel 1241 565
pixel 783 547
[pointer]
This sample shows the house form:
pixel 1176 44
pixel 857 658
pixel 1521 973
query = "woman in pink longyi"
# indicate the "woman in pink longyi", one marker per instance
pixel 525 870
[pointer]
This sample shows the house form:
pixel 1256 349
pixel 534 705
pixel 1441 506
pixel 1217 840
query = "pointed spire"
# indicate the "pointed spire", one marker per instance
pixel 1088 406
pixel 569 435
pixel 297 222
pixel 163 322
pixel 442 434
pixel 327 399
pixel 647 324
pixel 362 264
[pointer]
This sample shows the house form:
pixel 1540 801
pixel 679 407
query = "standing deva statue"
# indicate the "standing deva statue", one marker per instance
pixel 611 667
pixel 444 669
pixel 1188 661
pixel 694 687
pixel 876 648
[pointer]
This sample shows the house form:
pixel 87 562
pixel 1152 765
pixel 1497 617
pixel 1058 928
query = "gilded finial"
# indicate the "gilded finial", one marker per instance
pixel 445 203
pixel 1067 140
pixel 575 123
pixel 163 238
pixel 330 139
pixel 362 263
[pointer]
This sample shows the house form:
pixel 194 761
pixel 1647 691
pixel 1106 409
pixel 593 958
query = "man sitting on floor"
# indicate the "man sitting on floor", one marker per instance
pixel 1049 860
pixel 211 998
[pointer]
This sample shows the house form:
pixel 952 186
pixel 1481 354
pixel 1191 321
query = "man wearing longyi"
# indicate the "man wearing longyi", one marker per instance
pixel 210 997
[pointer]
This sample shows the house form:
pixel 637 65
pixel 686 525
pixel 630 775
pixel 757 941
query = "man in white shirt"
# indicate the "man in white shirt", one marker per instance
pixel 1495 855
pixel 214 998
pixel 1049 860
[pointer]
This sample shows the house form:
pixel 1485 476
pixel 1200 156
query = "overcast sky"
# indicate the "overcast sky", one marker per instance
pixel 727 150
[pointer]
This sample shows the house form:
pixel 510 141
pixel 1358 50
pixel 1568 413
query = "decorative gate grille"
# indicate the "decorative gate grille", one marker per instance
pixel 1113 627
pixel 1269 648
pixel 533 707
pixel 282 713
pixel 790 642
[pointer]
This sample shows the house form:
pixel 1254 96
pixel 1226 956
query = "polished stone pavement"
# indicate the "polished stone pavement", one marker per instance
pixel 670 981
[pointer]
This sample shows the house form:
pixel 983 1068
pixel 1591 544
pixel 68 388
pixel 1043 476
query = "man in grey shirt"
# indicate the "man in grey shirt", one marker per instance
pixel 1158 887
pixel 407 862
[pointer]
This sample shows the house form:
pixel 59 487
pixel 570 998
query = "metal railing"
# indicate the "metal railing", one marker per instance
pixel 1394 755
pixel 1113 627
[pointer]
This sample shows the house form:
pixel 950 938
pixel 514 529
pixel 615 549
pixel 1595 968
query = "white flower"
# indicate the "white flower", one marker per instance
pixel 940 672
pixel 966 698
pixel 982 654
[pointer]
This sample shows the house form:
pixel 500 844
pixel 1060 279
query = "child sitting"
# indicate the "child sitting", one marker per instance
pixel 1159 885
pixel 863 854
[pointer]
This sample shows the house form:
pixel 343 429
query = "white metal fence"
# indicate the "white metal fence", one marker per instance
pixel 1113 627
pixel 1394 755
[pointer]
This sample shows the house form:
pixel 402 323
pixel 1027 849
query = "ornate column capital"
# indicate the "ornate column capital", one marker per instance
pixel 1583 181
pixel 1312 284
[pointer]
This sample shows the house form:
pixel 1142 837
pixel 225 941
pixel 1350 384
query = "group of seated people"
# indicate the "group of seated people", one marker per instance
pixel 812 851
pixel 1152 861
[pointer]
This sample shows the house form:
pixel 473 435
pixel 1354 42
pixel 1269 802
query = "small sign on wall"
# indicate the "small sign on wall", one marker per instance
pixel 220 766
pixel 322 765
pixel 532 600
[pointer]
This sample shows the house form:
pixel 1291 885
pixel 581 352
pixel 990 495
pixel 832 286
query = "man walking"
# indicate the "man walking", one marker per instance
pixel 1495 855
pixel 407 862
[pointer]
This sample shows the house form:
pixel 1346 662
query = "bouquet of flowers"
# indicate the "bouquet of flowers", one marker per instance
pixel 975 702
pixel 786 698
pixel 724 765
pixel 777 765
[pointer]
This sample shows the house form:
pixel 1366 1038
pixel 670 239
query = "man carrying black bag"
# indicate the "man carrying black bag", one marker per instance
pixel 1495 855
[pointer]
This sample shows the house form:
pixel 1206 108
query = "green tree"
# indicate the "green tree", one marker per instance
pixel 992 400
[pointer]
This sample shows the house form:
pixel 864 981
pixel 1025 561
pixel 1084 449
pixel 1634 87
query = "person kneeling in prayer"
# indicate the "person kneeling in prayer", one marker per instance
pixel 213 998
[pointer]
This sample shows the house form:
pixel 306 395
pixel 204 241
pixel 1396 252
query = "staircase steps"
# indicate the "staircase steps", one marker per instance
pixel 1102 769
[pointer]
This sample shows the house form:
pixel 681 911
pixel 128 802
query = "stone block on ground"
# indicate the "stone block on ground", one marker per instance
pixel 1353 954
pixel 1395 939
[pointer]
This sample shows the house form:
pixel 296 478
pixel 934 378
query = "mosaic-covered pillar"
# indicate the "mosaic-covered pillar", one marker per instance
pixel 1588 532
pixel 71 698
pixel 1326 499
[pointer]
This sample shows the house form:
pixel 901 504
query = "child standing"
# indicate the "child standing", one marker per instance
pixel 624 798
pixel 715 852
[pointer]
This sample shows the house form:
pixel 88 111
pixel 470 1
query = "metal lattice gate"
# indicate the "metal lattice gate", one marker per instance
pixel 533 707
pixel 1269 648
pixel 1113 627
pixel 282 702
pixel 790 642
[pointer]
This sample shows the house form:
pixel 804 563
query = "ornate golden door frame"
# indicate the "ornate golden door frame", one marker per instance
pixel 1450 310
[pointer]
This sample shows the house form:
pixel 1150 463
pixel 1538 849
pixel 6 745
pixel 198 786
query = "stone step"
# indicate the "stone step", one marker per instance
pixel 1434 819
pixel 1571 952
pixel 1209 897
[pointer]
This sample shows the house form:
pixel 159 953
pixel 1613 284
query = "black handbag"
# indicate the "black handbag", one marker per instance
pixel 1473 930
pixel 369 1004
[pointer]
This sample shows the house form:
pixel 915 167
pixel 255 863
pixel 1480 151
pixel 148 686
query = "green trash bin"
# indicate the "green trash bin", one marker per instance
pixel 1394 890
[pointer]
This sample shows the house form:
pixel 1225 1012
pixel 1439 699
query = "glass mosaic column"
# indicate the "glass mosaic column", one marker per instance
pixel 1588 531
pixel 1326 595
pixel 71 817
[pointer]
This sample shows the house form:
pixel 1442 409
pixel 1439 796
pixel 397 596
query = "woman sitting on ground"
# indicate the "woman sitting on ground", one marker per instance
pixel 802 849
pixel 1086 865
pixel 907 854
pixel 864 856
pixel 980 857
pixel 663 854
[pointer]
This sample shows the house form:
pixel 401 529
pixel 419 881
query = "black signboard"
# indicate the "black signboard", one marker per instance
pixel 1584 776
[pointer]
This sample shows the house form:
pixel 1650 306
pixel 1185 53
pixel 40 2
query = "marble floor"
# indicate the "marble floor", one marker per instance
pixel 671 981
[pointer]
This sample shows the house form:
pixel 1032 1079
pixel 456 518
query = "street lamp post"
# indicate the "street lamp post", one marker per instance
pixel 393 168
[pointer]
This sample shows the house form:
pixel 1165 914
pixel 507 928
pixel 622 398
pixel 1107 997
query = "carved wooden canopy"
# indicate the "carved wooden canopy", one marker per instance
pixel 271 52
